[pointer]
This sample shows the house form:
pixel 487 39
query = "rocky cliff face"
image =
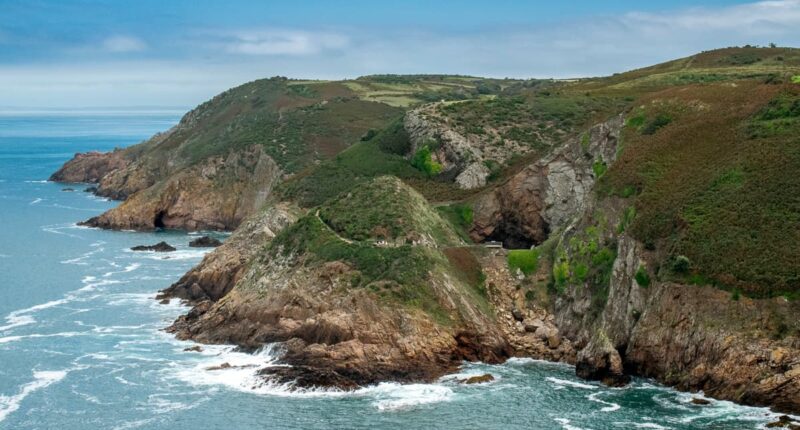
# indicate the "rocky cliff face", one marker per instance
pixel 461 156
pixel 341 322
pixel 216 194
pixel 692 337
pixel 90 167
pixel 546 195
pixel 222 268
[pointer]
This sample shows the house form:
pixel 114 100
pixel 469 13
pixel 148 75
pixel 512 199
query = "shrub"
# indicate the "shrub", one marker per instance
pixel 796 79
pixel 658 122
pixel 627 218
pixel 599 168
pixel 423 161
pixel 681 264
pixel 642 277
pixel 526 260
pixel 735 295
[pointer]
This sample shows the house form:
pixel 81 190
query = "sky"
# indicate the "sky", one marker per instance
pixel 178 53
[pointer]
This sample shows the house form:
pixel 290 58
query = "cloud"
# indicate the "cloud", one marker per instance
pixel 189 66
pixel 284 42
pixel 123 44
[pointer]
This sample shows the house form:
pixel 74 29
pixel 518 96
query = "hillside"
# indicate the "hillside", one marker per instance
pixel 650 221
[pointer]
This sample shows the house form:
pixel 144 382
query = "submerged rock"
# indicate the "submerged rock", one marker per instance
pixel 699 401
pixel 159 247
pixel 68 190
pixel 196 348
pixel 205 242
pixel 90 189
pixel 480 379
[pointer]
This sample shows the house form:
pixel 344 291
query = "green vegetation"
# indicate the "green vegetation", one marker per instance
pixel 713 187
pixel 460 216
pixel 658 122
pixel 423 160
pixel 400 273
pixel 599 168
pixel 780 116
pixel 627 217
pixel 796 79
pixel 642 277
pixel 386 209
pixel 525 260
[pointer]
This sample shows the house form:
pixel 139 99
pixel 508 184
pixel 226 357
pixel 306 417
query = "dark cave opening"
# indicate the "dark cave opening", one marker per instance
pixel 158 221
pixel 513 237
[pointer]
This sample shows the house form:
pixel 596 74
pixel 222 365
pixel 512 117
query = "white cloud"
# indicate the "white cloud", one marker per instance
pixel 121 43
pixel 213 61
pixel 284 42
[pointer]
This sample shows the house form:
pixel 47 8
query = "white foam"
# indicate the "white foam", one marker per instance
pixel 20 317
pixel 391 396
pixel 9 339
pixel 566 425
pixel 35 201
pixel 35 182
pixel 566 383
pixel 610 407
pixel 179 255
pixel 41 379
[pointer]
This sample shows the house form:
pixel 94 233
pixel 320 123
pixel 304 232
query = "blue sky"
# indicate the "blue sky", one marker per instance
pixel 83 53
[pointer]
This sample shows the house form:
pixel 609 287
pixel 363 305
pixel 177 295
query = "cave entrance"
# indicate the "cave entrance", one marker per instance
pixel 513 234
pixel 158 221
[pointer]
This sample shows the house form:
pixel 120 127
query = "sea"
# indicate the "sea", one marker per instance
pixel 82 344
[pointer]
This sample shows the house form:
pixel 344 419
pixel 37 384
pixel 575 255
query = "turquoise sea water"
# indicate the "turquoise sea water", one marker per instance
pixel 81 345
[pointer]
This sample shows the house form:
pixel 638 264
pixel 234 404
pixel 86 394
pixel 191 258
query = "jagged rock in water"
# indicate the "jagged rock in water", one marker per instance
pixel 159 247
pixel 205 242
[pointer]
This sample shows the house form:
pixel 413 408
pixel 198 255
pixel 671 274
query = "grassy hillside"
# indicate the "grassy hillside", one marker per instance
pixel 407 268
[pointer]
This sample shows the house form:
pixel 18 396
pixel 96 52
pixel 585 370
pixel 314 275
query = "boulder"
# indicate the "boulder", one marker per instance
pixel 480 379
pixel 159 247
pixel 205 242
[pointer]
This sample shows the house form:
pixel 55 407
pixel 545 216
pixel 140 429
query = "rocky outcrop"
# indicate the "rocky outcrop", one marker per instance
pixel 692 337
pixel 219 271
pixel 216 194
pixel 90 167
pixel 335 335
pixel 460 156
pixel 159 247
pixel 548 194
pixel 205 242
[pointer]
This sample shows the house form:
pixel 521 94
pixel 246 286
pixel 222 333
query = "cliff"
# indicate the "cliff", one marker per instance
pixel 649 222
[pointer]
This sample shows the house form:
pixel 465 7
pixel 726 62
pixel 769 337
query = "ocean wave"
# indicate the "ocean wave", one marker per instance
pixel 179 255
pixel 565 424
pixel 35 182
pixel 41 379
pixel 563 383
pixel 392 396
pixel 20 317
pixel 610 406
pixel 35 201
pixel 9 339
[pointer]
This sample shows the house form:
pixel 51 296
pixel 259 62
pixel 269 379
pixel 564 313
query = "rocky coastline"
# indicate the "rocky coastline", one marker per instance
pixel 296 276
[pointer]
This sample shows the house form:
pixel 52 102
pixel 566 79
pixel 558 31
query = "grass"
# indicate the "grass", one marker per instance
pixel 386 209
pixel 400 274
pixel 460 215
pixel 297 124
pixel 524 260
